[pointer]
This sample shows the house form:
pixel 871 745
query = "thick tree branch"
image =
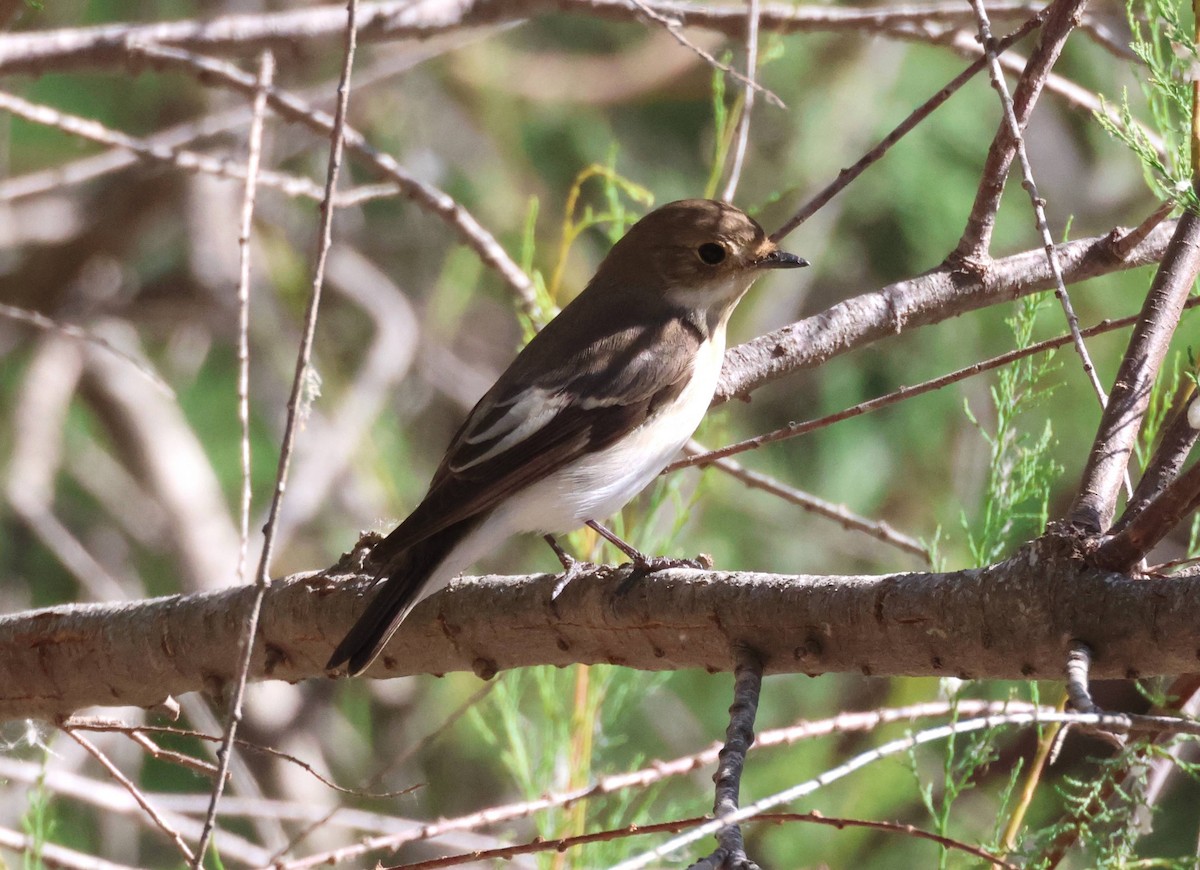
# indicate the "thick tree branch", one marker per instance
pixel 57 660
pixel 1178 438
pixel 930 298
pixel 1130 396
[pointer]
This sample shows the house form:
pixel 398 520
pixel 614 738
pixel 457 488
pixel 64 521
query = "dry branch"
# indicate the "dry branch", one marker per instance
pixel 286 32
pixel 930 298
pixel 1122 419
pixel 964 623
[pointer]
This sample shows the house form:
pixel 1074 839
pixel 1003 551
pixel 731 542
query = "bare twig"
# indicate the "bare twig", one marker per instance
pixel 743 130
pixel 876 529
pixel 291 108
pixel 926 299
pixel 539 844
pixel 1108 461
pixel 151 150
pixel 1115 722
pixel 139 732
pixel 295 403
pixel 1156 520
pixel 1060 22
pixel 134 792
pixel 793 430
pixel 1178 438
pixel 41 321
pixel 1014 125
pixel 674 27
pixel 906 126
pixel 739 737
pixel 208 127
pixel 1138 234
pixel 246 35
pixel 266 74
pixel 841 724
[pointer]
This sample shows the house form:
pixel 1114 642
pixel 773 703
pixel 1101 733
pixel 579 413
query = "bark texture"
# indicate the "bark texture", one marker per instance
pixel 1013 620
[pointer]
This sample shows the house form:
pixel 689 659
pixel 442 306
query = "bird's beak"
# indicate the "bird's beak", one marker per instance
pixel 780 260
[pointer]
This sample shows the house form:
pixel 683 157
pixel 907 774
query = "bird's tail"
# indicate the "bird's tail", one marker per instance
pixel 406 577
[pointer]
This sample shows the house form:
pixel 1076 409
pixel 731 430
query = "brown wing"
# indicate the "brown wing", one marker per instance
pixel 530 425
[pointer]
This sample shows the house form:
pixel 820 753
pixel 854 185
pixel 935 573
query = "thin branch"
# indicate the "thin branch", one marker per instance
pixel 1156 520
pixel 793 430
pixel 906 126
pixel 294 402
pixel 134 792
pixel 674 27
pixel 428 197
pixel 1178 438
pixel 739 737
pixel 211 126
pixel 1115 722
pixel 843 723
pixel 1039 205
pixel 1060 22
pixel 135 732
pixel 743 130
pixel 1138 234
pixel 839 514
pixel 266 74
pixel 930 298
pixel 539 845
pixel 1117 432
pixel 41 321
pixel 247 35
pixel 151 150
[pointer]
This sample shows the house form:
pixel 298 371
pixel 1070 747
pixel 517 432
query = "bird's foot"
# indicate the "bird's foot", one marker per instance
pixel 643 566
pixel 572 567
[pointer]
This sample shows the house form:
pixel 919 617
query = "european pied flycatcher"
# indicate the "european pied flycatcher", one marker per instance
pixel 588 413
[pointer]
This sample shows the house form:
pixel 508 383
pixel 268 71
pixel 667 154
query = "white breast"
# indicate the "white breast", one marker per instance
pixel 597 486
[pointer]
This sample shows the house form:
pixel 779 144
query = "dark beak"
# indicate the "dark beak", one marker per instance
pixel 780 260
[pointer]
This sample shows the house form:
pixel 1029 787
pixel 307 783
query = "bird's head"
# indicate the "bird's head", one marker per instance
pixel 693 253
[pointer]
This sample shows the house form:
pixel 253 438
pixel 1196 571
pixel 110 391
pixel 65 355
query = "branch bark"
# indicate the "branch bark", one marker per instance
pixel 930 298
pixel 285 32
pixel 1108 461
pixel 964 623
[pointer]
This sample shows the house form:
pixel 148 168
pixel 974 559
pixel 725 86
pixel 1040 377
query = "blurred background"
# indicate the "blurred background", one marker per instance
pixel 555 132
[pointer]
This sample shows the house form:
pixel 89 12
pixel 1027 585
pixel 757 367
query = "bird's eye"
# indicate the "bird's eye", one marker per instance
pixel 711 253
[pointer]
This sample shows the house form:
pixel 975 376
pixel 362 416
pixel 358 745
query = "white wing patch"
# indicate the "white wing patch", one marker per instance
pixel 527 413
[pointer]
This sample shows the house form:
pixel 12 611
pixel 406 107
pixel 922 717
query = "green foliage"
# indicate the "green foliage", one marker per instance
pixel 964 758
pixel 614 218
pixel 1101 808
pixel 1163 41
pixel 725 121
pixel 38 821
pixel 1020 471
pixel 552 728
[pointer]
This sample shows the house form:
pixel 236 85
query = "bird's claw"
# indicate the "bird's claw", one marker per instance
pixel 647 565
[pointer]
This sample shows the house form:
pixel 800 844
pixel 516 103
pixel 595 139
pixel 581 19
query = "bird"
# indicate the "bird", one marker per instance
pixel 589 412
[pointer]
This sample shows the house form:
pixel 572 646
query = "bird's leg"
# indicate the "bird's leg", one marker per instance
pixel 643 564
pixel 572 567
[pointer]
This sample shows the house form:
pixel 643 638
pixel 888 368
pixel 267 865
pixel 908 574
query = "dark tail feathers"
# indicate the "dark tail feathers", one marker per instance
pixel 406 576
